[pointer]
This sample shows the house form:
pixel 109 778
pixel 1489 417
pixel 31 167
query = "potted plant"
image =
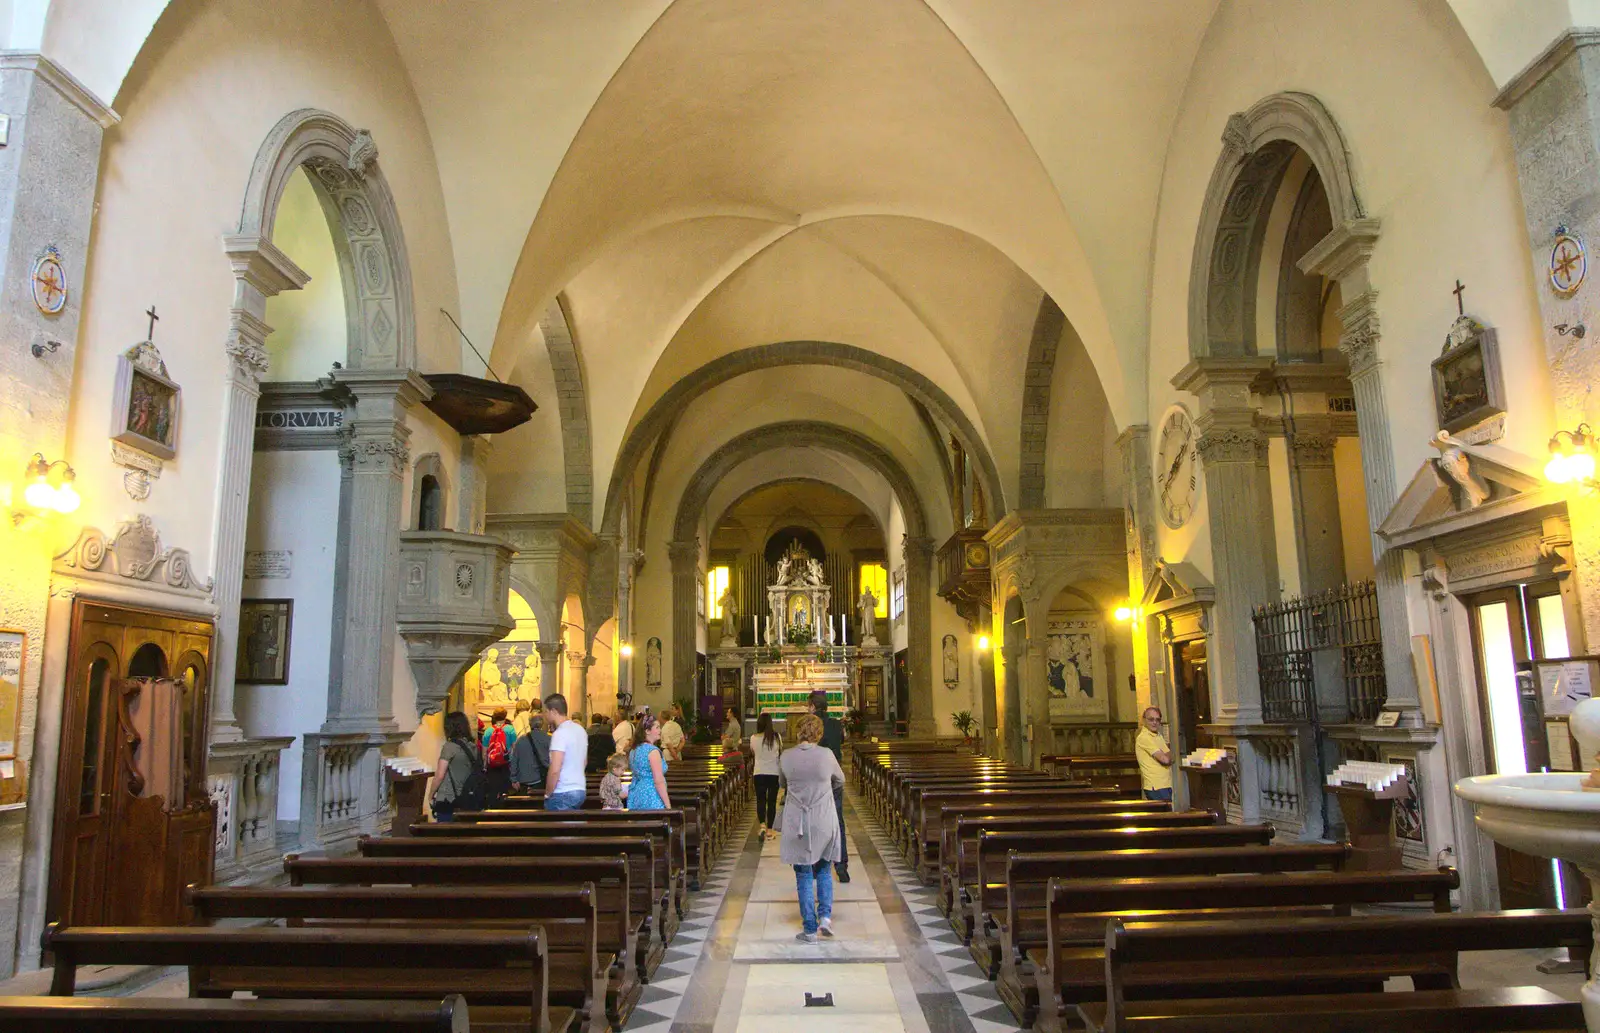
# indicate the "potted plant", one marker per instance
pixel 855 722
pixel 964 722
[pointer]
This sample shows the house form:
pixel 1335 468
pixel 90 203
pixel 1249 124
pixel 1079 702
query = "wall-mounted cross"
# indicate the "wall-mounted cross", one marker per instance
pixel 1460 287
pixel 151 335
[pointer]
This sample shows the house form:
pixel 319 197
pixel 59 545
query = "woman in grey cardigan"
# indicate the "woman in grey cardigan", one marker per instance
pixel 808 775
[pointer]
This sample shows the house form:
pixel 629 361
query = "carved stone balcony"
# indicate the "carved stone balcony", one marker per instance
pixel 964 571
pixel 453 598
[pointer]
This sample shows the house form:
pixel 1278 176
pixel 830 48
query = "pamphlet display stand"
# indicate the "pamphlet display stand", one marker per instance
pixel 1207 771
pixel 408 786
pixel 1366 792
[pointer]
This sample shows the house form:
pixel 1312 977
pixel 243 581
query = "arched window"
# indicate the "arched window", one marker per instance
pixel 430 511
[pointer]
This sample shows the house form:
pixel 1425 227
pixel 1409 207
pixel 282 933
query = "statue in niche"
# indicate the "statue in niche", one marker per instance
pixel 491 684
pixel 652 663
pixel 868 608
pixel 952 662
pixel 730 617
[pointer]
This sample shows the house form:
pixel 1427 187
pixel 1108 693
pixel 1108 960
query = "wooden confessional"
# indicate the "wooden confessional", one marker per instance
pixel 133 821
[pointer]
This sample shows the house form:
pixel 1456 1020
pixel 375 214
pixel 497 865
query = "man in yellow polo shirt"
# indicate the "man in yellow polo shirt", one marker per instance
pixel 1155 758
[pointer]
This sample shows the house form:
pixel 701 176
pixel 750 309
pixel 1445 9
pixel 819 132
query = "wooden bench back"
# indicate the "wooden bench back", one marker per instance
pixel 1142 955
pixel 181 1014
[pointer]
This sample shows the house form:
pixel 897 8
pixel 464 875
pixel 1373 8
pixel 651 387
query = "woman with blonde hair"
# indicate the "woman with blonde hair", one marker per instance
pixel 808 775
pixel 672 732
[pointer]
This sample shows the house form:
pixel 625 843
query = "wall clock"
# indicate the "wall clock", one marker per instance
pixel 1177 468
pixel 49 282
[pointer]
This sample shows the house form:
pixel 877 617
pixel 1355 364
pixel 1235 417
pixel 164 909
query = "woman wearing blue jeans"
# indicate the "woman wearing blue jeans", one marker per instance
pixel 808 775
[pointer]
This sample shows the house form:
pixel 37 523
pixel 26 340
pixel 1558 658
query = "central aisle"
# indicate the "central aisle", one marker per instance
pixel 893 967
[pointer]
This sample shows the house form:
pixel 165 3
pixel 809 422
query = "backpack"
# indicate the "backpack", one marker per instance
pixel 472 794
pixel 498 755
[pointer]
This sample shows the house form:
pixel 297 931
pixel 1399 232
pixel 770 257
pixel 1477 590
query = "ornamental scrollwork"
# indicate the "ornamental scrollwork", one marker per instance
pixel 249 358
pixel 1230 445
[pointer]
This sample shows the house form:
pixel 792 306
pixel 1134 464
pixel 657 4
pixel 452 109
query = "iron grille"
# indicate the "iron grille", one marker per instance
pixel 1339 626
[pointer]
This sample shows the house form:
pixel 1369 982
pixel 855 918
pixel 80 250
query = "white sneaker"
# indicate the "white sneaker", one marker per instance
pixel 825 927
pixel 805 937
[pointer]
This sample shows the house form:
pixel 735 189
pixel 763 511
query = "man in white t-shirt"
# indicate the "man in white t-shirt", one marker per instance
pixel 564 786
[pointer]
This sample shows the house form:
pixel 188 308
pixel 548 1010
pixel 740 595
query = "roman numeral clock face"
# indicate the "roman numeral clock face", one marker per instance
pixel 1177 468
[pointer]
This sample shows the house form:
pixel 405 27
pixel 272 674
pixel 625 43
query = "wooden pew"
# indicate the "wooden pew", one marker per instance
pixel 588 970
pixel 640 914
pixel 1119 770
pixel 181 1014
pixel 984 855
pixel 512 810
pixel 669 845
pixel 1020 925
pixel 1211 968
pixel 1070 968
pixel 921 838
pixel 503 974
pixel 949 874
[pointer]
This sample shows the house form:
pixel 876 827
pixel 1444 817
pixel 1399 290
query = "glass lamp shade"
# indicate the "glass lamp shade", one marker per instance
pixel 1558 470
pixel 40 494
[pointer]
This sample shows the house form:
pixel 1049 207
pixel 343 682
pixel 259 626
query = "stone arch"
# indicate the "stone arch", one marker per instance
pixel 796 434
pixel 1047 329
pixel 577 453
pixel 794 353
pixel 1257 146
pixel 428 466
pixel 342 165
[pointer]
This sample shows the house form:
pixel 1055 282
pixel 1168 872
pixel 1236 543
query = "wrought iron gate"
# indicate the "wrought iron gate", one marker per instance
pixel 1335 632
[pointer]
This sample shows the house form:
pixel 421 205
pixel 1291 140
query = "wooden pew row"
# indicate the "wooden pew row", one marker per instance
pixel 1071 968
pixel 949 814
pixel 669 856
pixel 588 971
pixel 182 1014
pixel 929 802
pixel 639 921
pixel 645 865
pixel 978 902
pixel 503 974
pixel 508 812
pixel 1150 964
pixel 1021 926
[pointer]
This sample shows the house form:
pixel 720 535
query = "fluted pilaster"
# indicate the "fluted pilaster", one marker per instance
pixel 919 552
pixel 685 558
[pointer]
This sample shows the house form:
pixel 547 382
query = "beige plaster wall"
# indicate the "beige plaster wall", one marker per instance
pixel 1407 88
pixel 203 95
pixel 309 333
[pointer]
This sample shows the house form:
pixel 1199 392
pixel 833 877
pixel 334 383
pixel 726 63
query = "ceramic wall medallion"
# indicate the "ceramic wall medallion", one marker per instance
pixel 49 282
pixel 1569 263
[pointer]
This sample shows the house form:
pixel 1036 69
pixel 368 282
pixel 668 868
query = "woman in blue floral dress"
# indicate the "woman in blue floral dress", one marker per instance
pixel 648 791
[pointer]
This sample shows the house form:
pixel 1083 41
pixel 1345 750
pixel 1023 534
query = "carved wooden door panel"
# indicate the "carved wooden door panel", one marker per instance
pixel 85 809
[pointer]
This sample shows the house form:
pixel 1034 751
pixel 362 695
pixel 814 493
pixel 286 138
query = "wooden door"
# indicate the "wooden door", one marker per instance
pixel 1513 726
pixel 133 822
pixel 1193 695
pixel 872 693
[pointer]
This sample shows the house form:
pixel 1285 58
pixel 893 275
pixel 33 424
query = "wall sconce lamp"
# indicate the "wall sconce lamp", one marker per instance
pixel 1124 613
pixel 626 649
pixel 983 643
pixel 1572 459
pixel 48 488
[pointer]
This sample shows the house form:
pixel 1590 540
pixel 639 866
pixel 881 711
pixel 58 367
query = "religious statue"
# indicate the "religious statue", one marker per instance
pixel 783 572
pixel 730 618
pixel 1455 464
pixel 952 662
pixel 812 574
pixel 652 663
pixel 491 684
pixel 868 605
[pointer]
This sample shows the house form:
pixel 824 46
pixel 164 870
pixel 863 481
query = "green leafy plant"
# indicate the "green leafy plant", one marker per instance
pixel 690 721
pixel 800 635
pixel 965 723
pixel 855 722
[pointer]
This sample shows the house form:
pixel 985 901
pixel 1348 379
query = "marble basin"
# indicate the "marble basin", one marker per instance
pixel 1547 815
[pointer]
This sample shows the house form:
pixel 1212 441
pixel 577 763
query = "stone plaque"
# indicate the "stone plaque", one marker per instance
pixel 267 564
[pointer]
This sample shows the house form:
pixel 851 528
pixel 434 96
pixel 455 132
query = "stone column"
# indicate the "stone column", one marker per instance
pixel 472 496
pixel 1551 106
pixel 260 271
pixel 1139 484
pixel 375 453
pixel 1010 685
pixel 1343 256
pixel 919 552
pixel 988 703
pixel 550 654
pixel 579 702
pixel 685 558
pixel 1230 450
pixel 627 570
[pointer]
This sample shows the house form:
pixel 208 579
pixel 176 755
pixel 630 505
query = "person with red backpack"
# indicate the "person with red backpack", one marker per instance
pixel 498 739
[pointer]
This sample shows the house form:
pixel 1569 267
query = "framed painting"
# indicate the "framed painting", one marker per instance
pixel 147 404
pixel 264 631
pixel 1073 649
pixel 1467 386
pixel 13 654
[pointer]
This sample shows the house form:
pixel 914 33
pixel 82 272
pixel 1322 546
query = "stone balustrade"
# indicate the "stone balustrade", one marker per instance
pixel 242 778
pixel 343 793
pixel 1114 738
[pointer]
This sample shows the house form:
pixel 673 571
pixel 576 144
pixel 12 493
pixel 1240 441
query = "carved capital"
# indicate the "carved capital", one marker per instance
pixel 685 556
pixel 367 455
pixel 247 355
pixel 1314 449
pixel 549 651
pixel 919 549
pixel 1362 332
pixel 1230 445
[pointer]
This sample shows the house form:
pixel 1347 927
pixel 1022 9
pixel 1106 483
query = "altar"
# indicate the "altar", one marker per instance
pixel 802 651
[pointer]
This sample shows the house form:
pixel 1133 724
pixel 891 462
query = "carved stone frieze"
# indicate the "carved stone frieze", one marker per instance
pixel 363 152
pixel 374 453
pixel 1230 445
pixel 1314 449
pixel 133 555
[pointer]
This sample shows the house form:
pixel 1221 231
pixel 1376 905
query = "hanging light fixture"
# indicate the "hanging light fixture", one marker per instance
pixel 626 649
pixel 1572 458
pixel 1124 612
pixel 48 488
